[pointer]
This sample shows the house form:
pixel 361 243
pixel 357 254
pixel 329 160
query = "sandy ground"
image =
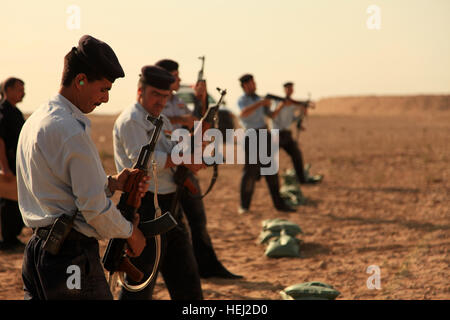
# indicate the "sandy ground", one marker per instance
pixel 384 201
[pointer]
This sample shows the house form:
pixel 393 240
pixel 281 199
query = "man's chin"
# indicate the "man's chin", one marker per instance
pixel 155 113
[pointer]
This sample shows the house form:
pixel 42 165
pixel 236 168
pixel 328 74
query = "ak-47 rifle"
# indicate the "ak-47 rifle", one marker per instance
pixel 115 260
pixel 181 175
pixel 306 104
pixel 199 109
pixel 278 98
pixel 200 73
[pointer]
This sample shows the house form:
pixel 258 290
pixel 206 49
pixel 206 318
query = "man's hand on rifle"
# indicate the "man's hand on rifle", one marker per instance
pixel 137 242
pixel 201 94
pixel 200 90
pixel 311 104
pixel 117 182
pixel 188 120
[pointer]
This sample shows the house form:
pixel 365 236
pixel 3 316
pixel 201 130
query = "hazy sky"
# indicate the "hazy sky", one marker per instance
pixel 324 46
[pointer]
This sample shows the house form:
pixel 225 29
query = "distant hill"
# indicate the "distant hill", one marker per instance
pixel 384 105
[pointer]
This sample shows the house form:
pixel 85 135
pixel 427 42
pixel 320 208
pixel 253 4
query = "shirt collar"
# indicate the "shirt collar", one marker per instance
pixel 143 115
pixel 252 95
pixel 74 111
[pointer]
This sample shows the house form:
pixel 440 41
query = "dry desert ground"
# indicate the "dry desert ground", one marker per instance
pixel 384 201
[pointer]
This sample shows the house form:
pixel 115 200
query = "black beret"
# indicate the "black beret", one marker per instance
pixel 99 56
pixel 157 77
pixel 246 77
pixel 168 64
pixel 288 84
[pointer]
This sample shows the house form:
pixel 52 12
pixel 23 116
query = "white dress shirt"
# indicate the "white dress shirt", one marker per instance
pixel 257 119
pixel 131 132
pixel 284 118
pixel 175 107
pixel 59 171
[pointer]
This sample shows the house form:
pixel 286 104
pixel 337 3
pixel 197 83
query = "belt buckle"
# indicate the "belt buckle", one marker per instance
pixel 42 233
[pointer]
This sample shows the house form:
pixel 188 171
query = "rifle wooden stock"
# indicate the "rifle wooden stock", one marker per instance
pixel 134 273
pixel 134 199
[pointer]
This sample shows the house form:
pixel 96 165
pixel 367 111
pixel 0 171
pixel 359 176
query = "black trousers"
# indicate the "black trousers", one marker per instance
pixel 49 277
pixel 11 222
pixel 252 173
pixel 291 147
pixel 201 241
pixel 177 266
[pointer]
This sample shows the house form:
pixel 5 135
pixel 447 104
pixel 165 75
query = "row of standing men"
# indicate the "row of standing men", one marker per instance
pixel 59 172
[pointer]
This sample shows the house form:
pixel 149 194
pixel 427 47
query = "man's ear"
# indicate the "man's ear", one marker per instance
pixel 80 80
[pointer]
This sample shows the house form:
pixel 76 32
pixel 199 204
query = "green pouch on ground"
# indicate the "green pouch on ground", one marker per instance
pixel 283 246
pixel 313 290
pixel 308 177
pixel 292 195
pixel 278 224
pixel 266 235
pixel 289 177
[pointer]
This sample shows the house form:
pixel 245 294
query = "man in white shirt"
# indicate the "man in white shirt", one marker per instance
pixel 253 111
pixel 176 110
pixel 59 173
pixel 282 118
pixel 131 130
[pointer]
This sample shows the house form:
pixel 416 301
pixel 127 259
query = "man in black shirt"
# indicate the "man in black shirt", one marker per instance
pixel 11 122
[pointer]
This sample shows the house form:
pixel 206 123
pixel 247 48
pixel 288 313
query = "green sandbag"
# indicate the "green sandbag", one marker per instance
pixel 292 195
pixel 309 291
pixel 291 189
pixel 283 246
pixel 308 177
pixel 266 235
pixel 289 177
pixel 278 224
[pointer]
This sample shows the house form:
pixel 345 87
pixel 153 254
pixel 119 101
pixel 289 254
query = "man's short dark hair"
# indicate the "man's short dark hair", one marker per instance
pixel 74 66
pixel 8 83
pixel 245 78
pixel 167 64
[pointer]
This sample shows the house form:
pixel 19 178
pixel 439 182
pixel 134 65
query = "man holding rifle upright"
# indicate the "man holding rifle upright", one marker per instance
pixel 131 129
pixel 62 188
pixel 178 113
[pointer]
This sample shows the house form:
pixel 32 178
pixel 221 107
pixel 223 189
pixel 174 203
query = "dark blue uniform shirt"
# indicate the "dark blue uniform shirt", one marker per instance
pixel 11 122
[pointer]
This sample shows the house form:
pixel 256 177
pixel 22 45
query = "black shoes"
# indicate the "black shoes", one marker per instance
pixel 220 273
pixel 286 208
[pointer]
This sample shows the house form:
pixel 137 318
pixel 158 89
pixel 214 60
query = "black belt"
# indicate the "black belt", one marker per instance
pixel 42 233
pixel 161 197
